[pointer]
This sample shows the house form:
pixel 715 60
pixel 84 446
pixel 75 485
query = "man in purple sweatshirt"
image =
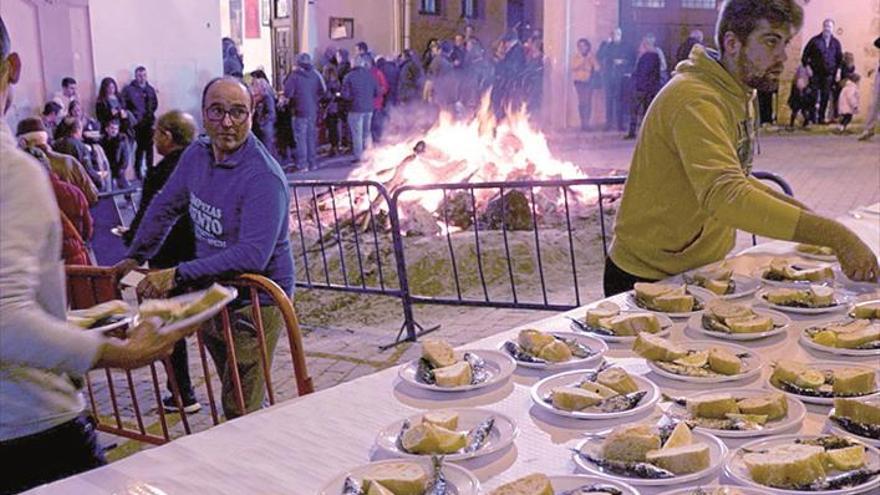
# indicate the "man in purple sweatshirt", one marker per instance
pixel 237 198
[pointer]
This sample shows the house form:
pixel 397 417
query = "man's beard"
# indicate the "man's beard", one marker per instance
pixel 762 81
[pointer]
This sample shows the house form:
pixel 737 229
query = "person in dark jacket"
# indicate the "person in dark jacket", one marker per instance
pixel 50 118
pixel 684 50
pixel 233 63
pixel 616 61
pixel 409 84
pixel 824 56
pixel 175 130
pixel 109 106
pixel 360 88
pixel 392 77
pixel 118 151
pixel 509 72
pixel 646 82
pixel 141 100
pixel 303 91
pixel 68 141
pixel 378 120
pixel 331 110
pixel 264 110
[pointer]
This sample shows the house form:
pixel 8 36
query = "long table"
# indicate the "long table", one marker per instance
pixel 297 446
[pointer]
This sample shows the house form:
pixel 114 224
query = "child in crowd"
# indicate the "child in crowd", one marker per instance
pixel 848 103
pixel 802 99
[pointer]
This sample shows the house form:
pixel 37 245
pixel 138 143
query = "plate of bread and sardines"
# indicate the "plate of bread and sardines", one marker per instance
pixel 722 282
pixel 785 272
pixel 645 454
pixel 818 253
pixel 188 309
pixel 737 413
pixel 801 464
pixel 554 350
pixel 542 484
pixel 859 417
pixel 456 434
pixel 809 300
pixel 673 300
pixel 728 320
pixel 820 382
pixel 430 476
pixel 702 362
pixel 607 321
pixel 443 369
pixel 603 393
pixel 859 337
pixel 104 317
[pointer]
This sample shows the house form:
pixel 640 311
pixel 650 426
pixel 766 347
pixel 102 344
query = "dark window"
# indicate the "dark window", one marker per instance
pixel 698 4
pixel 469 9
pixel 431 7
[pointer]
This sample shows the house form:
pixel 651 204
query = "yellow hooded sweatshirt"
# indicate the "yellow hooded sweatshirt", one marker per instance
pixel 689 188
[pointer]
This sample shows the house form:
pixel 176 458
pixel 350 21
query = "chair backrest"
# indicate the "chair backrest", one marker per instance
pixel 116 397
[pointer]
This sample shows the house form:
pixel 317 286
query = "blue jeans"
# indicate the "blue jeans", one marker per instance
pixel 360 124
pixel 305 134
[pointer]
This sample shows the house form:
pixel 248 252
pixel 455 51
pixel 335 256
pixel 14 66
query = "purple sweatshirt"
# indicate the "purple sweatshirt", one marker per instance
pixel 239 211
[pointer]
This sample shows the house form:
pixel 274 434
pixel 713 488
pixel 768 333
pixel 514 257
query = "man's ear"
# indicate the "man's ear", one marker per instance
pixel 14 66
pixel 732 44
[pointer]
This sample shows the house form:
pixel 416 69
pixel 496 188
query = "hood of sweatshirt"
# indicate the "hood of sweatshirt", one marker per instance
pixel 705 64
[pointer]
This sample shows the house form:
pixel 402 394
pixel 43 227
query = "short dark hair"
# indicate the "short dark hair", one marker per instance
pixel 140 68
pixel 5 42
pixel 585 41
pixel 67 127
pixel 67 81
pixel 362 46
pixel 51 107
pixel 741 17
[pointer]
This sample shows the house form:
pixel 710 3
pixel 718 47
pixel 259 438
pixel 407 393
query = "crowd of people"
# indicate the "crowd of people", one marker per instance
pixel 344 99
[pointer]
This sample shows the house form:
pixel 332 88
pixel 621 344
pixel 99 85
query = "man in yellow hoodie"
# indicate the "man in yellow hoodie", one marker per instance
pixel 689 188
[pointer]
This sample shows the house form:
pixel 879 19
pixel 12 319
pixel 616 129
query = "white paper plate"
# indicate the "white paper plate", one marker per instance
pixel 838 430
pixel 542 389
pixel 665 328
pixel 758 274
pixel 831 365
pixel 502 434
pixel 752 364
pixel 717 452
pixel 825 258
pixel 862 303
pixel 745 286
pixel 460 479
pixel 839 297
pixel 736 469
pixel 499 364
pixel 739 490
pixel 701 295
pixel 809 343
pixel 196 319
pixel 796 413
pixel 594 343
pixel 572 482
pixel 781 321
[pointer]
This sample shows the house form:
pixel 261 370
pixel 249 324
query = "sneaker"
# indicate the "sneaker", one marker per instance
pixel 866 135
pixel 190 404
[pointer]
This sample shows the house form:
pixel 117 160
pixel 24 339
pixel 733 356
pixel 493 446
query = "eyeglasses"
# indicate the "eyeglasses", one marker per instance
pixel 237 115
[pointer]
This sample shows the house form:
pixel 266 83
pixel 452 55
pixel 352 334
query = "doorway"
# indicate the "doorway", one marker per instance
pixel 284 44
pixel 671 21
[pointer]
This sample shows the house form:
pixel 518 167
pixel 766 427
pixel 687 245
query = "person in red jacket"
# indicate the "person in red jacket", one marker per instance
pixel 377 124
pixel 76 219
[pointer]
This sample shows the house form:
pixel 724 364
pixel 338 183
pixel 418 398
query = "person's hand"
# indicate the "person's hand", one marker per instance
pixel 122 268
pixel 157 284
pixel 145 344
pixel 857 260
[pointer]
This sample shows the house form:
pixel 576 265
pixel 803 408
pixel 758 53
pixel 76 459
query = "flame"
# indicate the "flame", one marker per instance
pixel 478 149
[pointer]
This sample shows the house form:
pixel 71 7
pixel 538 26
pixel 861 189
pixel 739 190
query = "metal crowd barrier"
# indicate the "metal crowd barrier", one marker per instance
pixel 124 415
pixel 341 221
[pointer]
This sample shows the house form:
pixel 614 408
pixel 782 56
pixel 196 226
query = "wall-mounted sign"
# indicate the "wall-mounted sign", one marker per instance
pixel 341 28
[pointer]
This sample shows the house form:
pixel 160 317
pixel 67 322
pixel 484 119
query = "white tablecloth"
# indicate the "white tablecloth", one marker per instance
pixel 297 446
